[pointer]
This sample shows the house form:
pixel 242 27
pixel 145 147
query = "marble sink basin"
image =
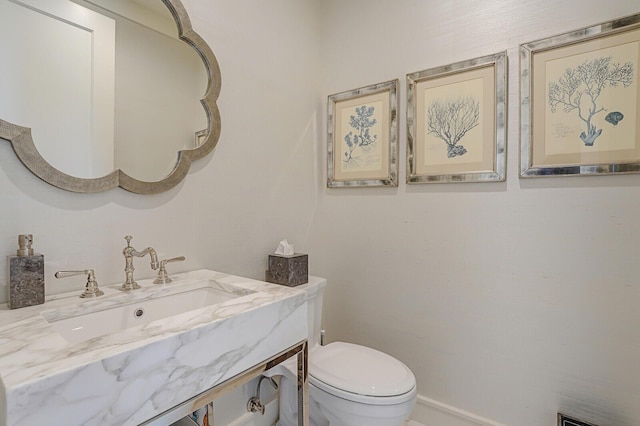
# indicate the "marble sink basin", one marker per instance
pixel 76 326
pixel 195 333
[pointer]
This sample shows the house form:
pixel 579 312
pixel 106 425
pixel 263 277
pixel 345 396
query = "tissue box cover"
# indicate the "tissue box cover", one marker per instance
pixel 290 270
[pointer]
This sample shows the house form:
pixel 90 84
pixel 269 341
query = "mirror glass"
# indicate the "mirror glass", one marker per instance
pixel 102 84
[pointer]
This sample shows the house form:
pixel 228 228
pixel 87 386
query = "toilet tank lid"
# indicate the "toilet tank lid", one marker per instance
pixel 360 370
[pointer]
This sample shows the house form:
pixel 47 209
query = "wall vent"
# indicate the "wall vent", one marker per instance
pixel 568 421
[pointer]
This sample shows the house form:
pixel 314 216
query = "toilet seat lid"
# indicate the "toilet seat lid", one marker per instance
pixel 360 370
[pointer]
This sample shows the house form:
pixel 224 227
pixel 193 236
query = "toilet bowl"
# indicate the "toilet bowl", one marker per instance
pixel 349 385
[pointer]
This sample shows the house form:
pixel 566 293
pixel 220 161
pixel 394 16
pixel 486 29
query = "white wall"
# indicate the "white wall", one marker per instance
pixel 510 300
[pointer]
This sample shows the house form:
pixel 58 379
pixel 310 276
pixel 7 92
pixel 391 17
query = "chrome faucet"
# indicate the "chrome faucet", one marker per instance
pixel 129 253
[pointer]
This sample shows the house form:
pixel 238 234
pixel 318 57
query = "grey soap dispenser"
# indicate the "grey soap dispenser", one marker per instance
pixel 26 275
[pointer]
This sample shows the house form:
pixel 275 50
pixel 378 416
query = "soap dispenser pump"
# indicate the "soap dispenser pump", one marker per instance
pixel 26 275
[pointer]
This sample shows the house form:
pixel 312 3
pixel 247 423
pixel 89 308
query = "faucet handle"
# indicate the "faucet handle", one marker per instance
pixel 162 277
pixel 91 289
pixel 128 238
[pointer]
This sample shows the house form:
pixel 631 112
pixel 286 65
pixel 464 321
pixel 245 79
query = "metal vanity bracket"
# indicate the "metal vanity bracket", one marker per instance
pixel 184 409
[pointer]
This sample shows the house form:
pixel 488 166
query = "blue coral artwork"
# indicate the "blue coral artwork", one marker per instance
pixel 450 119
pixel 361 147
pixel 588 96
pixel 454 122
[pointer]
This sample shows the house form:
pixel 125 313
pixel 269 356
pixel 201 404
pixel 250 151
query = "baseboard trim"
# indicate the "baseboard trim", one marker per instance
pixel 434 413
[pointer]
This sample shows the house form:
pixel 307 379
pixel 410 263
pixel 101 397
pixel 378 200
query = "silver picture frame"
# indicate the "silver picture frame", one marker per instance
pixel 464 102
pixel 362 137
pixel 559 136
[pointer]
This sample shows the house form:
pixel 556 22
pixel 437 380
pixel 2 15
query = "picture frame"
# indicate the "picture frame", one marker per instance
pixel 362 137
pixel 580 102
pixel 457 122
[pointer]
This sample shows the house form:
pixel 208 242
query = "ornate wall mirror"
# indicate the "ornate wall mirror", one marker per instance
pixel 97 94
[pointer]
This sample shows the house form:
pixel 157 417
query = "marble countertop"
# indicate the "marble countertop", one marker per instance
pixel 130 376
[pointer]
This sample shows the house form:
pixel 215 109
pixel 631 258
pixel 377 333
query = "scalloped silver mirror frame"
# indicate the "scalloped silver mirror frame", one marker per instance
pixel 24 147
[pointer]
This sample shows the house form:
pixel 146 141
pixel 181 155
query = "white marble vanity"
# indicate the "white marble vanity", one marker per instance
pixel 75 361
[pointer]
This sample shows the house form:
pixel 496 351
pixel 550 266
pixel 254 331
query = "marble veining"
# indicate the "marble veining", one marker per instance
pixel 127 377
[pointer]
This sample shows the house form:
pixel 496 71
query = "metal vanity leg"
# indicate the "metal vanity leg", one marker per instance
pixel 303 375
pixel 210 413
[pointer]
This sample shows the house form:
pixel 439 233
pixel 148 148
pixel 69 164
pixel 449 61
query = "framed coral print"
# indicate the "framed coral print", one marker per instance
pixel 362 130
pixel 580 102
pixel 456 122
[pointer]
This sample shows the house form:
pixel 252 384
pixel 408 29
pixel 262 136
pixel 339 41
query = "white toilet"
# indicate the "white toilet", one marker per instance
pixel 349 385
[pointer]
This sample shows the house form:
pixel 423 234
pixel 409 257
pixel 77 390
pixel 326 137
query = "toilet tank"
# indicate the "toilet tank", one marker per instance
pixel 315 293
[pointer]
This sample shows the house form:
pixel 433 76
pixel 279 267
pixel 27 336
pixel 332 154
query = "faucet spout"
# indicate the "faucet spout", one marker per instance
pixel 152 254
pixel 129 253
